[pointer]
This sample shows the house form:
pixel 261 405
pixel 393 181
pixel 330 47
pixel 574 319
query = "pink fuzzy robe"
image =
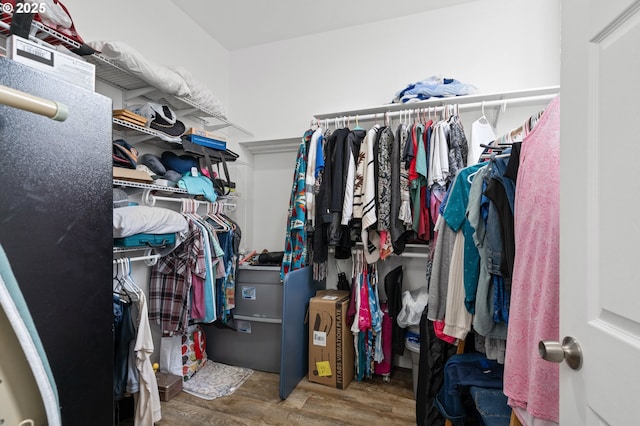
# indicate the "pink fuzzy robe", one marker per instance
pixel 529 382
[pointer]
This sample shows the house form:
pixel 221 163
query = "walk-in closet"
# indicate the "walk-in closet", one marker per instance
pixel 330 213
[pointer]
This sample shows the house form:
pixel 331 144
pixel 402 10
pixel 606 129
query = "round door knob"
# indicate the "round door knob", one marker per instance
pixel 568 351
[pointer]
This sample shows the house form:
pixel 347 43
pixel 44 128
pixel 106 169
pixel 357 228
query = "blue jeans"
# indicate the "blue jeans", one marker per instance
pixel 460 372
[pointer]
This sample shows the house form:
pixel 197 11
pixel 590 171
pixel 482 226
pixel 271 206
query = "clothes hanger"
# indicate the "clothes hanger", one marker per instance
pixel 483 119
pixel 119 287
pixel 472 175
pixel 189 207
pixel 130 287
pixel 213 214
pixel 357 124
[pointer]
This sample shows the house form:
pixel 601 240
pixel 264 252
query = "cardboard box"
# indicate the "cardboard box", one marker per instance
pixel 211 135
pixel 65 67
pixel 331 352
pixel 130 174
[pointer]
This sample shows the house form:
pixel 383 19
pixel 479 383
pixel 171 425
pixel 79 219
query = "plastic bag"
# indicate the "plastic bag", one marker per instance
pixel 413 303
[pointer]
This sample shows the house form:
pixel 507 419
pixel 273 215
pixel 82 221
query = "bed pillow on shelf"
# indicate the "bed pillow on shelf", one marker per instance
pixel 147 220
pixel 133 61
pixel 200 93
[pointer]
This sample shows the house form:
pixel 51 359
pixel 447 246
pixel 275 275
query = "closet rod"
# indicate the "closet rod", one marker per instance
pixel 416 255
pixel 397 110
pixel 399 256
pixel 152 257
pixel 150 200
pixel 359 246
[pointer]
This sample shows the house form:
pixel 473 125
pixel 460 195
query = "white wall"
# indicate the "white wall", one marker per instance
pixel 271 172
pixel 162 32
pixel 276 88
pixel 497 45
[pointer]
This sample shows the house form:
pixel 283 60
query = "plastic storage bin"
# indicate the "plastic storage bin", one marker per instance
pixel 258 313
pixel 412 344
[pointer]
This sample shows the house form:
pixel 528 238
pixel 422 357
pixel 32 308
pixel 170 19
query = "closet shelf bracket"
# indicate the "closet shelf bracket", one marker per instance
pixel 186 111
pixel 134 93
pixel 213 127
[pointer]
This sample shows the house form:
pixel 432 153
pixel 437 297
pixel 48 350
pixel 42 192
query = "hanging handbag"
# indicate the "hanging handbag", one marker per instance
pixel 221 186
pixel 194 351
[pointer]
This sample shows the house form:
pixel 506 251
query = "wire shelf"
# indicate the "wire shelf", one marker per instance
pixel 129 184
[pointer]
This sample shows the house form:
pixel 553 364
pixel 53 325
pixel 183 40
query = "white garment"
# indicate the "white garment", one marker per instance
pixel 457 320
pixel 362 161
pixel 481 133
pixel 438 170
pixel 310 175
pixel 347 204
pixel 357 271
pixel 148 401
pixel 369 215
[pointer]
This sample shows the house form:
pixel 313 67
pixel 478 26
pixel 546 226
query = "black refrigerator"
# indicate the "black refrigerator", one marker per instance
pixel 56 229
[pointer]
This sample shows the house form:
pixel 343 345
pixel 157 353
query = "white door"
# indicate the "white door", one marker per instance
pixel 600 211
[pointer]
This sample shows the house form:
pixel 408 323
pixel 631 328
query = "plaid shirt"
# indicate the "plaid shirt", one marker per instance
pixel 170 283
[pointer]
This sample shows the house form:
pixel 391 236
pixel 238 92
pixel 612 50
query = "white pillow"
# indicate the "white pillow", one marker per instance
pixel 200 93
pixel 130 59
pixel 133 220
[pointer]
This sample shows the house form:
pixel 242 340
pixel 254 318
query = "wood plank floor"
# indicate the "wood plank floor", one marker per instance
pixel 369 402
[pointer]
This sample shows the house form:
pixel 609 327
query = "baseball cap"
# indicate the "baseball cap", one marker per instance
pixel 161 118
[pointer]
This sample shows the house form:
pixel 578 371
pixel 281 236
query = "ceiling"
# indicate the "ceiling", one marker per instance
pixel 238 24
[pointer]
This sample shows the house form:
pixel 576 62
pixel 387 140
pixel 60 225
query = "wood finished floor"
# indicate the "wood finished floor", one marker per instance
pixel 370 402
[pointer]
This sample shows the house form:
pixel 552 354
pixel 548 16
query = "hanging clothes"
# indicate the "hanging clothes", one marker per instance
pixel 418 181
pixel 310 174
pixel 393 290
pixel 370 237
pixel 335 176
pixel 295 245
pixel 455 215
pixel 458 146
pixel 170 283
pixel 400 215
pixel 367 323
pixel 124 334
pixel 494 334
pixel 225 285
pixel 500 242
pixel 148 399
pixel 531 383
pixel 383 193
pixel 438 173
pixel 354 140
pixel 439 280
pixel 481 134
pixel 206 281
